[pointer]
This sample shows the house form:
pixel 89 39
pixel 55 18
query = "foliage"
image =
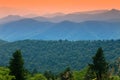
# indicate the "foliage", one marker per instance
pixel 16 66
pixel 115 78
pixel 99 66
pixel 56 55
pixel 67 74
pixel 4 74
pixel 90 75
pixel 49 75
pixel 80 75
pixel 115 67
pixel 37 77
pixel 98 70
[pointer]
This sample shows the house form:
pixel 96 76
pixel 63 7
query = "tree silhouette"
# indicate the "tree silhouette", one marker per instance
pixel 99 66
pixel 16 66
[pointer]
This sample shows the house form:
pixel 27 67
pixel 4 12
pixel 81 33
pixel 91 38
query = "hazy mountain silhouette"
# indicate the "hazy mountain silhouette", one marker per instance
pixel 92 25
pixel 54 14
pixel 10 18
pixel 98 15
pixel 22 29
pixel 32 29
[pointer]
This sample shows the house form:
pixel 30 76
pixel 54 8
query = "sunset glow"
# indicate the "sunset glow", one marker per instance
pixel 52 6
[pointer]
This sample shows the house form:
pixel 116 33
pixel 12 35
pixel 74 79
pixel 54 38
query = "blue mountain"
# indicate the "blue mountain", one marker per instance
pixel 32 29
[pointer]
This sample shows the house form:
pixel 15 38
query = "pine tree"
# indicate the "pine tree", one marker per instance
pixel 99 66
pixel 16 66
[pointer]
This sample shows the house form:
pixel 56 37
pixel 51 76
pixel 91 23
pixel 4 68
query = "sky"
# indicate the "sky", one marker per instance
pixel 41 7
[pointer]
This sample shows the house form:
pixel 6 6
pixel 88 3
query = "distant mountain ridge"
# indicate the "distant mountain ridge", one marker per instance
pixel 10 18
pixel 99 15
pixel 96 15
pixel 78 26
pixel 32 29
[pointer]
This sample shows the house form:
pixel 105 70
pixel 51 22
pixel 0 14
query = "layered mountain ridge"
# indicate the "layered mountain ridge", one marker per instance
pixel 99 25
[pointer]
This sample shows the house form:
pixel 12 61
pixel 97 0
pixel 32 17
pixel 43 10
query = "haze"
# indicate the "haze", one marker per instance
pixel 41 7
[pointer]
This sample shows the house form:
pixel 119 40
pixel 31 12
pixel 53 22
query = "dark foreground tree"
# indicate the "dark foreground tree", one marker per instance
pixel 67 74
pixel 99 66
pixel 16 66
pixel 49 75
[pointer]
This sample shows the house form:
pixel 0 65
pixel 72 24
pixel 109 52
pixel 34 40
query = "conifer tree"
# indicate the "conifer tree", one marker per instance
pixel 99 66
pixel 16 66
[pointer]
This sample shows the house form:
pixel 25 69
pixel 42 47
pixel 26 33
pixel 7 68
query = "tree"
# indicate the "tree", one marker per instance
pixel 16 66
pixel 4 74
pixel 37 77
pixel 80 75
pixel 99 66
pixel 67 74
pixel 34 71
pixel 90 75
pixel 49 75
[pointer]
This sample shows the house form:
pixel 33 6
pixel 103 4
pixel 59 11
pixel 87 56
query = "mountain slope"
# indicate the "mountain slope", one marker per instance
pixel 2 42
pixel 90 30
pixel 32 29
pixel 10 18
pixel 94 25
pixel 57 55
pixel 22 29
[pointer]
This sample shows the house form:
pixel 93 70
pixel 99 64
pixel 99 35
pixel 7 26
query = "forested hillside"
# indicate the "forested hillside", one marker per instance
pixel 57 55
pixel 2 42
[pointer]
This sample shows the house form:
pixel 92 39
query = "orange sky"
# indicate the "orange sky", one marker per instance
pixel 52 6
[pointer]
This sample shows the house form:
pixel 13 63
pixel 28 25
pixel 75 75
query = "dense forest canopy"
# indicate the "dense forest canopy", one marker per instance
pixel 57 55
